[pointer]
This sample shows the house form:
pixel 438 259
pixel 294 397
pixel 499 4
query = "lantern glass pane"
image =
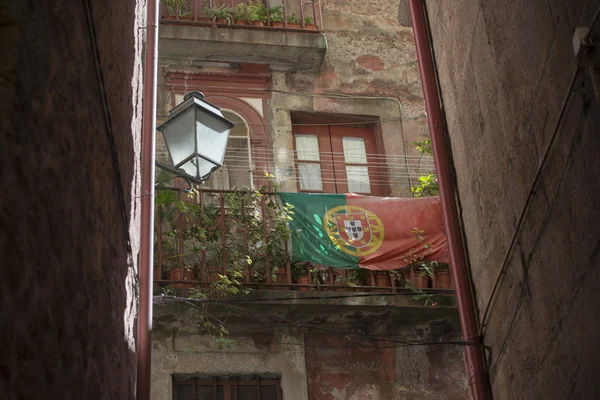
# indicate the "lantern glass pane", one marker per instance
pixel 212 135
pixel 179 136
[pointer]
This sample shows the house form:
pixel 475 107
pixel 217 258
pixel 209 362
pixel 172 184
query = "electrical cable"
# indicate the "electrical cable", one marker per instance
pixel 530 195
pixel 526 262
pixel 108 122
pixel 233 301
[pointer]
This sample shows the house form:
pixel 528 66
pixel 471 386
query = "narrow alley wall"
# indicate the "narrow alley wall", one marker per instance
pixel 528 187
pixel 67 171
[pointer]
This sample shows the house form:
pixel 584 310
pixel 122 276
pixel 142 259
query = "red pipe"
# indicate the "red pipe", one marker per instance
pixel 144 330
pixel 443 164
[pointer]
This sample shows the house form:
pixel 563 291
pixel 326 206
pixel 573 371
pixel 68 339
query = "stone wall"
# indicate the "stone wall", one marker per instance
pixel 322 349
pixel 67 287
pixel 528 187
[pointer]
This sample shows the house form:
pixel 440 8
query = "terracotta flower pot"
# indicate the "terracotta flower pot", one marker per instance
pixel 443 280
pixel 291 25
pixel 310 27
pixel 169 17
pixel 222 21
pixel 276 24
pixel 258 23
pixel 303 280
pixel 205 20
pixel 241 22
pixel 420 282
pixel 382 280
pixel 280 277
pixel 180 274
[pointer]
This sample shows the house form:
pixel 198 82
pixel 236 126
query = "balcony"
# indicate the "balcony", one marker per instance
pixel 240 239
pixel 285 35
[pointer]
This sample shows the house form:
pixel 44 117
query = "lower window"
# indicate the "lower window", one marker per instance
pixel 242 388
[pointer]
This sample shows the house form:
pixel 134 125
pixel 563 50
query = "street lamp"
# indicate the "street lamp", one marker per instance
pixel 196 135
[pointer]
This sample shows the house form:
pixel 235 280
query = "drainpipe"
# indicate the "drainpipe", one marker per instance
pixel 144 323
pixel 443 164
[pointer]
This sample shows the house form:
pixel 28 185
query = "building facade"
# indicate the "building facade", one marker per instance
pixel 332 108
pixel 523 121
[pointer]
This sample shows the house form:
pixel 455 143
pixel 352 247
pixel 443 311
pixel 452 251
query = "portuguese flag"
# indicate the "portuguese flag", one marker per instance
pixel 354 231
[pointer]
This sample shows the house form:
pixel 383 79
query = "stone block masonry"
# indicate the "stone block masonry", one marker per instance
pixel 68 139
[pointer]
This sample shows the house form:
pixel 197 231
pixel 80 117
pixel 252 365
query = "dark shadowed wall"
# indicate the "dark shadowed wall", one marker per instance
pixel 67 174
pixel 528 187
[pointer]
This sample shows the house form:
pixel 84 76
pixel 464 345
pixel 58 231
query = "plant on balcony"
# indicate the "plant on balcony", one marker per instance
pixel 428 184
pixel 276 16
pixel 220 15
pixel 308 24
pixel 257 12
pixel 240 14
pixel 294 22
pixel 174 7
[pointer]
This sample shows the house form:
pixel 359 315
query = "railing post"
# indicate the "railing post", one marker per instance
pixel 223 235
pixel 203 256
pixel 245 230
pixel 301 14
pixel 320 15
pixel 288 267
pixel 265 237
pixel 268 13
pixel 158 266
pixel 285 13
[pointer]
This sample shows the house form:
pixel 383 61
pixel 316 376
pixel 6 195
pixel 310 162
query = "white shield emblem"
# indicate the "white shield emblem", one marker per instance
pixel 354 229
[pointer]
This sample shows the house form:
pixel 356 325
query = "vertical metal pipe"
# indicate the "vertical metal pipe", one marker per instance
pixel 284 17
pixel 443 164
pixel 144 325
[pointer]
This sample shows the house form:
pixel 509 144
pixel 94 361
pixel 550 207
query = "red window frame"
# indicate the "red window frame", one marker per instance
pixel 332 161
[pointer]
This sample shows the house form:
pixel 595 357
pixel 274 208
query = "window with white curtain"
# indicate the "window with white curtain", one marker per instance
pixel 309 166
pixel 237 163
pixel 358 175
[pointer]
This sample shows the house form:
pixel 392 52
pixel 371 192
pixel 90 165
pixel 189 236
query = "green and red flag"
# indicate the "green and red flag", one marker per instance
pixel 354 231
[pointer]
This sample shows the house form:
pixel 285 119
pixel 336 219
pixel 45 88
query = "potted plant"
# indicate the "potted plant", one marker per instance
pixel 181 273
pixel 443 279
pixel 220 15
pixel 175 8
pixel 294 22
pixel 240 14
pixel 256 12
pixel 300 275
pixel 382 279
pixel 276 16
pixel 422 275
pixel 308 24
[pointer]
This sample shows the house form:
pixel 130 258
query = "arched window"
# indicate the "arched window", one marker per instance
pixel 237 165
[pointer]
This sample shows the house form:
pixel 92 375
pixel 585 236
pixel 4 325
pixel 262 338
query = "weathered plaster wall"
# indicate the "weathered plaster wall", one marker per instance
pixel 342 368
pixel 319 348
pixel 505 69
pixel 276 353
pixel 370 69
pixel 67 289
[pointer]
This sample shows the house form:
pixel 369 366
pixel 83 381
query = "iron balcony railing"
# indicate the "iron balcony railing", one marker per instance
pixel 289 15
pixel 211 233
